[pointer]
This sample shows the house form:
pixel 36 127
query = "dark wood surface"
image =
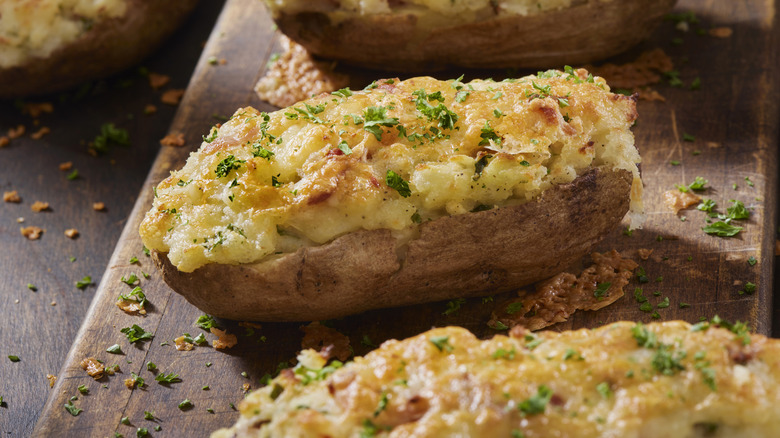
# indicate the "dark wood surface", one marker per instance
pixel 33 329
pixel 733 117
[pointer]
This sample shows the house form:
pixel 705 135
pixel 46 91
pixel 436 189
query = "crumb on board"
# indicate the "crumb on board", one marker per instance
pixel 72 233
pixel 245 388
pixel 721 32
pixel 12 196
pixel 20 220
pixel 35 110
pixel 98 206
pixel 130 383
pixel 225 340
pixel 677 200
pixel 39 206
pixel 173 139
pixel 644 253
pixel 157 80
pixel 150 109
pixel 52 380
pixel 94 368
pixel 53 303
pixel 172 96
pixel 110 370
pixel 16 132
pixel 40 133
pixel 31 232
pixel 182 344
pixel 296 76
pixel 327 340
pixel 650 95
pixel 4 141
pixel 66 166
pixel 132 308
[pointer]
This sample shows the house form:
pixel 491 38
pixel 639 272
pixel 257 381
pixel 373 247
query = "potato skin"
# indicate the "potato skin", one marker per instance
pixel 585 32
pixel 110 46
pixel 473 254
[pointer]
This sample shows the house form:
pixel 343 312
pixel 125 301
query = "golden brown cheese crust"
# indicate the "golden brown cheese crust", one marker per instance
pixel 623 380
pixel 264 184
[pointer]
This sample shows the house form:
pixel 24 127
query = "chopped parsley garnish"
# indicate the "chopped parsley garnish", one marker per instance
pixel 604 390
pixel 131 279
pixel 227 165
pixel 309 112
pixel 206 322
pixel 114 349
pixel 148 415
pixel 737 210
pixel 212 135
pixel 537 403
pixel 344 92
pixel 276 391
pixel 83 389
pixel 752 261
pixel 667 363
pixel 639 295
pixel 136 295
pixel 185 404
pixel 136 333
pixel 453 306
pixel 498 325
pixel 32 287
pixel 488 135
pixel 749 289
pixel 688 137
pixel 259 151
pixel 663 304
pixel 446 119
pixel 382 404
pixel 73 410
pixel 137 379
pixel 601 290
pixel 504 354
pixel 376 117
pixel 344 147
pixel 514 307
pixel 706 205
pixel 442 343
pixel 84 282
pixel 150 366
pixel 13 358
pixel 110 134
pixel 73 175
pixel 722 229
pixel 167 378
pixel 395 181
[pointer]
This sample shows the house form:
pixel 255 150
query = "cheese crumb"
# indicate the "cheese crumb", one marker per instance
pixel 12 196
pixel 52 379
pixel 183 345
pixel 94 368
pixel 31 232
pixel 173 139
pixel 72 233
pixel 677 200
pixel 225 340
pixel 16 132
pixel 40 133
pixel 39 206
pixel 66 166
pixel 98 206
pixel 157 80
pixel 172 97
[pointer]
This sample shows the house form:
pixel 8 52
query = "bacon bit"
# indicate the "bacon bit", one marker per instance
pixel 329 341
pixel 644 253
pixel 134 308
pixel 677 200
pixel 225 340
pixel 173 139
pixel 12 196
pixel 72 233
pixel 150 109
pixel 36 109
pixel 556 299
pixel 172 96
pixel 31 232
pixel 245 388
pixel 41 132
pixel 94 368
pixel 98 206
pixel 645 70
pixel 721 32
pixel 39 206
pixel 16 133
pixel 66 166
pixel 296 76
pixel 4 141
pixel 181 344
pixel 130 383
pixel 52 379
pixel 158 81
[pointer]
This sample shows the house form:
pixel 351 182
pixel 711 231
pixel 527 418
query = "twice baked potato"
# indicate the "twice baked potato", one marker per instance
pixel 406 192
pixel 670 380
pixel 420 35
pixel 51 45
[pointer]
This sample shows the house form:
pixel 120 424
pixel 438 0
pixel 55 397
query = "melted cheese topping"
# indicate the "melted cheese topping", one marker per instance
pixel 622 380
pixel 385 158
pixel 36 28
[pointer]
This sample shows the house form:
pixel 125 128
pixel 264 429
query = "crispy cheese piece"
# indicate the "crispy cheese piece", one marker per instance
pixel 388 157
pixel 626 379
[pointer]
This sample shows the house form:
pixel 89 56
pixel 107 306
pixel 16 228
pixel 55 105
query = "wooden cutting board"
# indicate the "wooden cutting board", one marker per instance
pixel 733 117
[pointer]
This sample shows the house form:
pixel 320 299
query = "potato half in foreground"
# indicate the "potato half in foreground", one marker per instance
pixel 403 193
pixel 622 380
pixel 50 45
pixel 422 35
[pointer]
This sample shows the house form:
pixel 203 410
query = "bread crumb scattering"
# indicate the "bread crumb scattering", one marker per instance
pixel 130 383
pixel 677 200
pixel 4 141
pixel 296 76
pixel 173 140
pixel 66 166
pixel 172 96
pixel 721 32
pixel 330 342
pixel 183 345
pixel 98 206
pixel 94 368
pixel 133 308
pixel 40 133
pixel 20 220
pixel 644 253
pixel 16 132
pixel 31 232
pixel 39 206
pixel 150 109
pixel 53 303
pixel 157 80
pixel 35 110
pixel 52 380
pixel 72 233
pixel 225 340
pixel 12 196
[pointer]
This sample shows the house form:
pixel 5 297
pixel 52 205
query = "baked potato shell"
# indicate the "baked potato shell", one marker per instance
pixel 587 31
pixel 109 46
pixel 473 254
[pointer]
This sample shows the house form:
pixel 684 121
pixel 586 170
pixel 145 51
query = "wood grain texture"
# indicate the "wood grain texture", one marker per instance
pixel 733 118
pixel 33 329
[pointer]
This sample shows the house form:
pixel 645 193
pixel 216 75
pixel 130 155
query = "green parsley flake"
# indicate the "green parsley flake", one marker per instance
pixel 72 410
pixel 114 349
pixel 442 343
pixel 537 403
pixel 136 333
pixel 722 229
pixel 13 358
pixel 185 404
pixel 206 322
pixel 84 282
pixel 601 290
pixel 395 181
